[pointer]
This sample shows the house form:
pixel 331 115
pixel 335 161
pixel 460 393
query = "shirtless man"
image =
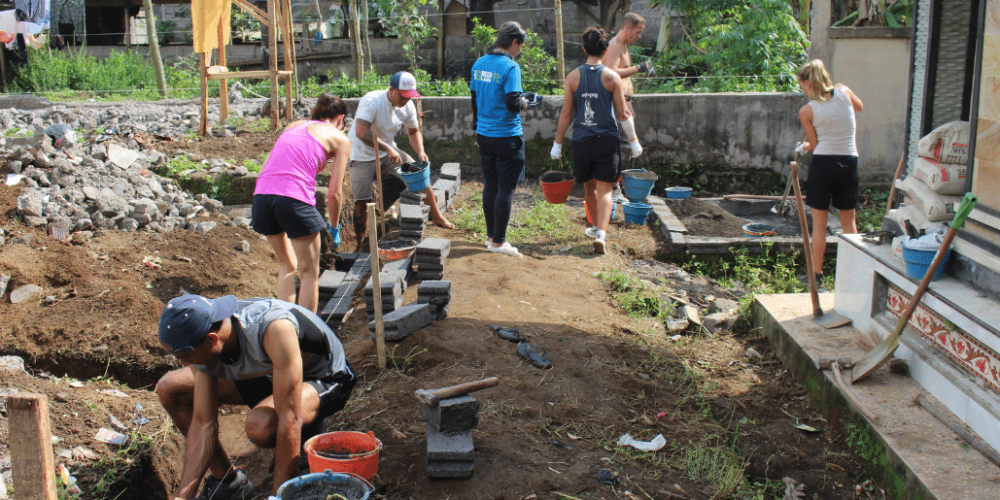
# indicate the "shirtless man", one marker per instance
pixel 618 59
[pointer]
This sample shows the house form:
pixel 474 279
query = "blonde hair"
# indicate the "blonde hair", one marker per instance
pixel 631 20
pixel 819 80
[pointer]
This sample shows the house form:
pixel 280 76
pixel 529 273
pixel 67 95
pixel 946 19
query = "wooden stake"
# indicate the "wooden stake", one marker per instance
pixel 376 288
pixel 356 18
pixel 272 45
pixel 441 40
pixel 203 76
pixel 223 84
pixel 560 50
pixel 3 69
pixel 288 45
pixel 378 177
pixel 31 447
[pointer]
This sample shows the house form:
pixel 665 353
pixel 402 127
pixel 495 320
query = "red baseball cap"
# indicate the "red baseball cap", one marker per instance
pixel 405 83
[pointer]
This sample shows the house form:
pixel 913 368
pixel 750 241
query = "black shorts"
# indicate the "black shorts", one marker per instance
pixel 833 178
pixel 275 214
pixel 596 158
pixel 334 391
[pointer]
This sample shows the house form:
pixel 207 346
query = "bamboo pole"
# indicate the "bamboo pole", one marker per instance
pixel 154 48
pixel 31 457
pixel 288 45
pixel 441 39
pixel 223 84
pixel 560 50
pixel 378 177
pixel 376 287
pixel 356 40
pixel 272 43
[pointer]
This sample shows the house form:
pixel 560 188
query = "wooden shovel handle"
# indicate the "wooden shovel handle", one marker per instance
pixel 813 291
pixel 463 389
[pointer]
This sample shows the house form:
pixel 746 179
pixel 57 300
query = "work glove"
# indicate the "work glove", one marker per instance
pixel 636 148
pixel 556 151
pixel 335 234
pixel 801 148
pixel 534 100
pixel 646 67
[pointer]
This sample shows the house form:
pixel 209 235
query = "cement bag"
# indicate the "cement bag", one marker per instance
pixel 909 212
pixel 936 207
pixel 942 178
pixel 948 143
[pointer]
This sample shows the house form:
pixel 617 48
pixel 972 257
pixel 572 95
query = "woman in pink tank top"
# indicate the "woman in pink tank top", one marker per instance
pixel 284 200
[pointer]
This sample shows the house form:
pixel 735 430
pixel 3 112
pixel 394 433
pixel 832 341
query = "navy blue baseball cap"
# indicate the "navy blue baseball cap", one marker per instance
pixel 187 319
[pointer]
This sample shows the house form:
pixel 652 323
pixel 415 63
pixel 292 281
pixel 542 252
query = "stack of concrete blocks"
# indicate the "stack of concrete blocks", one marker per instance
pixel 403 321
pixel 430 256
pixel 408 197
pixel 437 294
pixel 400 270
pixel 450 450
pixel 446 187
pixel 413 221
pixel 337 308
pixel 329 280
pixel 391 285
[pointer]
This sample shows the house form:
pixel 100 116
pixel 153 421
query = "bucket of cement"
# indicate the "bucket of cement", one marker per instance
pixel 417 176
pixel 344 451
pixel 758 230
pixel 556 186
pixel 637 184
pixel 326 485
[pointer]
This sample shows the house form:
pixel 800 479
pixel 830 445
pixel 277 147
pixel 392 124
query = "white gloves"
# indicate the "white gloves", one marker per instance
pixel 646 67
pixel 556 151
pixel 801 148
pixel 628 126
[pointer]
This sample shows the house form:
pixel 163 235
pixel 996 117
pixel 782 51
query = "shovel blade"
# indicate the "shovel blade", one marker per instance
pixel 874 359
pixel 832 319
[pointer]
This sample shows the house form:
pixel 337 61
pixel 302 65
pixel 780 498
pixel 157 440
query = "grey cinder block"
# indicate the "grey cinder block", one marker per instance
pixel 452 414
pixel 449 447
pixel 450 470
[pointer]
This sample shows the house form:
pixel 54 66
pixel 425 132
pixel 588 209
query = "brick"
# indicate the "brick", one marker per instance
pixel 427 266
pixel 452 414
pixel 434 288
pixel 362 266
pixel 412 213
pixel 451 171
pixel 409 226
pixel 414 235
pixel 434 246
pixel 442 447
pixel 450 470
pixel 434 300
pixel 330 280
pixel 389 284
pixel 429 275
pixel 429 258
pixel 405 320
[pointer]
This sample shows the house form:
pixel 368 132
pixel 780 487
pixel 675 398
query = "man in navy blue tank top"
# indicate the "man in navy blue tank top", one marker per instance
pixel 592 100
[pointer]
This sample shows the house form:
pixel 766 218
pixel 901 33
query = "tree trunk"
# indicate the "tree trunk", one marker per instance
pixel 154 48
pixel 663 40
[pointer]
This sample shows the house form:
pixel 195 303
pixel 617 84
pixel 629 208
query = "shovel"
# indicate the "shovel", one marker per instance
pixel 831 319
pixel 884 351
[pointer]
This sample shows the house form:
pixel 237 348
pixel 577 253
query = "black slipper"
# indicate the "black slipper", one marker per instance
pixel 535 354
pixel 507 333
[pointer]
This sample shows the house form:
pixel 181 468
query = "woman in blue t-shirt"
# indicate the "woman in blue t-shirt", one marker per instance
pixel 497 101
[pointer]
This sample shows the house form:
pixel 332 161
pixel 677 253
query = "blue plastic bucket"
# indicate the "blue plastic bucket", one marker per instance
pixel 419 180
pixel 918 261
pixel 351 486
pixel 677 192
pixel 758 230
pixel 636 213
pixel 637 189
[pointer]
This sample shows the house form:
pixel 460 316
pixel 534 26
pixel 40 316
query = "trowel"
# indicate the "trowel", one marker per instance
pixel 881 353
pixel 831 319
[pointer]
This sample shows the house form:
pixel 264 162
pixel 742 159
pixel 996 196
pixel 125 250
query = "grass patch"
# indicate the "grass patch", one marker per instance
pixel 638 298
pixel 544 224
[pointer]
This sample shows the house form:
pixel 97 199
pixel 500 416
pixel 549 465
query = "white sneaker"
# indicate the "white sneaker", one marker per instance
pixel 591 232
pixel 599 244
pixel 505 249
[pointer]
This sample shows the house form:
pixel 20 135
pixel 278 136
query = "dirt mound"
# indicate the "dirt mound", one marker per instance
pixel 702 218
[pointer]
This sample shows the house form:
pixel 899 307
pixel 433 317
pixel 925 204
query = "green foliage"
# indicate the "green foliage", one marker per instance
pixel 484 35
pixel 253 165
pixel 638 298
pixel 731 46
pixel 537 66
pixel 244 25
pixel 872 210
pixel 404 16
pixel 115 469
pixel 179 167
pixel 165 31
pixel 893 14
pixel 542 224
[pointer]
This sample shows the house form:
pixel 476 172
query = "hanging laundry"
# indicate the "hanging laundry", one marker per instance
pixel 8 27
pixel 39 23
pixel 35 11
pixel 69 11
pixel 206 15
pixel 35 41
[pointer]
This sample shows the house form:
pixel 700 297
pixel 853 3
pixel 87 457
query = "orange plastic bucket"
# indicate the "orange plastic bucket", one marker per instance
pixel 590 219
pixel 344 451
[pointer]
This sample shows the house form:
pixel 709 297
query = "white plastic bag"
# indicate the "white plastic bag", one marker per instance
pixel 655 445
pixel 948 143
pixel 926 242
pixel 942 178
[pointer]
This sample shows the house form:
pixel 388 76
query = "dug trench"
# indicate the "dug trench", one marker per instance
pixel 725 406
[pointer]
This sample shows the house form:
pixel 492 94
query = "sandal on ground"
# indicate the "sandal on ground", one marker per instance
pixel 505 249
pixel 507 333
pixel 535 354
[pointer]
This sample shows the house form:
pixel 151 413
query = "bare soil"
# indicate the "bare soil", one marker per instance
pixel 543 433
pixel 702 218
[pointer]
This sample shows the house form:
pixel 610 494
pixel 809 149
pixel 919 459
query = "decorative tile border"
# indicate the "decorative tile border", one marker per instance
pixel 964 349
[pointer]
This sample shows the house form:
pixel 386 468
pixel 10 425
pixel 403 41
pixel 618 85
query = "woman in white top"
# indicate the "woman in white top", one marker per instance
pixel 828 121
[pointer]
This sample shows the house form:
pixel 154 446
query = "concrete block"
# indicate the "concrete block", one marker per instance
pixel 410 226
pixel 413 235
pixel 389 284
pixel 434 300
pixel 450 470
pixel 405 320
pixel 426 266
pixel 362 266
pixel 452 171
pixel 330 280
pixel 442 447
pixel 434 246
pixel 412 213
pixel 426 258
pixel 412 195
pixel 434 288
pixel 452 414
pixel 429 275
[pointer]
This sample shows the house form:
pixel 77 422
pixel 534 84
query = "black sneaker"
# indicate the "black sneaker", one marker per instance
pixel 237 487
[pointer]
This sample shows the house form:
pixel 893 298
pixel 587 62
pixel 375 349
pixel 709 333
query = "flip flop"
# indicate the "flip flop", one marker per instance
pixel 535 354
pixel 507 333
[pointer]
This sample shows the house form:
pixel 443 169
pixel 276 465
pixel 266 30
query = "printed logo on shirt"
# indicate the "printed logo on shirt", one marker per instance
pixel 588 115
pixel 486 76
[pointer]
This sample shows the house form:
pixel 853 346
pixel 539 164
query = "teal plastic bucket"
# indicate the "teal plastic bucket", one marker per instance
pixel 636 213
pixel 919 261
pixel 325 484
pixel 418 180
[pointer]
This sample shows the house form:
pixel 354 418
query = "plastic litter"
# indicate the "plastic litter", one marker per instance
pixel 926 242
pixel 607 477
pixel 68 480
pixel 655 445
pixel 13 179
pixel 109 436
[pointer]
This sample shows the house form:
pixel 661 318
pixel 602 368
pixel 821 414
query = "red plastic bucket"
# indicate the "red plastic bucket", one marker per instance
pixel 344 451
pixel 556 186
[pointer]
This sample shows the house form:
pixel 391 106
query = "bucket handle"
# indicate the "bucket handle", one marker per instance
pixel 355 476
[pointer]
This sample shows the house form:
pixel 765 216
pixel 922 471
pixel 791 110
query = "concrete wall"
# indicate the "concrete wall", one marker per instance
pixel 875 64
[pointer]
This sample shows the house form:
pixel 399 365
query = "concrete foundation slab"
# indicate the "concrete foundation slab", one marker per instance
pixel 906 449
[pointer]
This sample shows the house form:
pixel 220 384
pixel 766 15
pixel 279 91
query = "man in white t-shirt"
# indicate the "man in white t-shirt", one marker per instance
pixel 387 111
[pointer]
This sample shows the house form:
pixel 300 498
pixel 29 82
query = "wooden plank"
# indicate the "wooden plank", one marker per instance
pixel 257 74
pixel 250 9
pixel 378 178
pixel 272 43
pixel 292 59
pixel 223 86
pixel 31 457
pixel 203 78
pixel 376 288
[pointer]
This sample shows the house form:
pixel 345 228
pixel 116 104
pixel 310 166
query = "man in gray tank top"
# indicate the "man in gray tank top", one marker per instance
pixel 278 358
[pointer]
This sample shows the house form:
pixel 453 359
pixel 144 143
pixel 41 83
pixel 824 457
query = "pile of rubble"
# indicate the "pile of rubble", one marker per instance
pixel 697 301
